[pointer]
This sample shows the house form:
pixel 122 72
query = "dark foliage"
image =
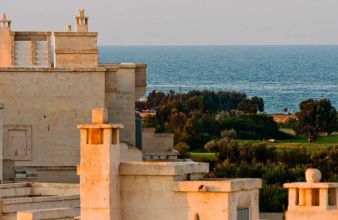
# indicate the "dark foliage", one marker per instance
pixel 275 167
pixel 254 127
pixel 316 116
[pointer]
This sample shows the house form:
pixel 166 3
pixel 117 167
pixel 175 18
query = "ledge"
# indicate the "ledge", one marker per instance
pixel 15 185
pixel 163 168
pixel 56 213
pixel 76 51
pixel 76 34
pixel 117 126
pixel 116 66
pixel 218 185
pixel 50 69
pixel 305 185
pixel 31 33
pixel 19 200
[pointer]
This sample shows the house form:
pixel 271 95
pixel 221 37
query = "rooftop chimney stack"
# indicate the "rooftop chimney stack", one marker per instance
pixel 81 22
pixel 5 24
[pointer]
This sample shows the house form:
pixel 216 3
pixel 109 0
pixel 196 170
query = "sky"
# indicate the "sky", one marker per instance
pixel 185 22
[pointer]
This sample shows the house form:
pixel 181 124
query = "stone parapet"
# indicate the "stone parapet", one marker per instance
pixel 312 200
pixel 305 185
pixel 163 168
pixel 218 185
pixel 49 69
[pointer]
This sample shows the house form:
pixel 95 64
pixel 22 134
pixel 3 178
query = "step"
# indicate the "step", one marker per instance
pixel 13 205
pixel 15 192
pixel 59 213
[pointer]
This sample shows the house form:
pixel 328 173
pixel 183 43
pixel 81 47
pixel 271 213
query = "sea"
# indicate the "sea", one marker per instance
pixel 282 75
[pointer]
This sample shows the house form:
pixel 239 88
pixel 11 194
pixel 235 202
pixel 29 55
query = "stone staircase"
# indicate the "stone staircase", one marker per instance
pixel 17 197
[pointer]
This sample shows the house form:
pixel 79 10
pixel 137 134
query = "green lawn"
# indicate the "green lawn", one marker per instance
pixel 322 143
pixel 202 156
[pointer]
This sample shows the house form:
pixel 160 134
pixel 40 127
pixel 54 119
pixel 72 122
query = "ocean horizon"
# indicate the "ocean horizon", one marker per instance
pixel 283 75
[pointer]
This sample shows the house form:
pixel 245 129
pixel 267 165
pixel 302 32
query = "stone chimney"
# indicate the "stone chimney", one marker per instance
pixel 6 42
pixel 4 23
pixel 81 22
pixel 99 168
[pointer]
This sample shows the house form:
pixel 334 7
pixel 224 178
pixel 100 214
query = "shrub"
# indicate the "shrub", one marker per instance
pixel 211 146
pixel 183 148
pixel 230 134
pixel 252 126
pixel 273 198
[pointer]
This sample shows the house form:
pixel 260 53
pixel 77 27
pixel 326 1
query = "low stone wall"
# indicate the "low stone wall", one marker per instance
pixel 153 142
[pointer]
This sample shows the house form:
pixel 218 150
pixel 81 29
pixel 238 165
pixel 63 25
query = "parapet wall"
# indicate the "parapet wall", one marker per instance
pixel 174 190
pixel 75 49
pixel 156 142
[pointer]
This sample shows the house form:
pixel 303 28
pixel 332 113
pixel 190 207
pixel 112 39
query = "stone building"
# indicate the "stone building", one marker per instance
pixel 312 200
pixel 116 185
pixel 44 99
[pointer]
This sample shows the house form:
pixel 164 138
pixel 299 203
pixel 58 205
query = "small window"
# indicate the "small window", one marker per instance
pixel 243 214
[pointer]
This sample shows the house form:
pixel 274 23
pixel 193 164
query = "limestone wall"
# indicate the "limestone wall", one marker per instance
pixel 120 96
pixel 53 214
pixel 163 191
pixel 1 143
pixel 43 107
pixel 155 142
pixel 73 49
pixel 31 49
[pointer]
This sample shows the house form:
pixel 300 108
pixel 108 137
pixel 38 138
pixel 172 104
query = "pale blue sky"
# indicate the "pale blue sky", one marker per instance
pixel 186 22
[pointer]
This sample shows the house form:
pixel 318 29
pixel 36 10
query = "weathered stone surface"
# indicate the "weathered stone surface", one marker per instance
pixel 312 200
pixel 44 214
pixel 313 175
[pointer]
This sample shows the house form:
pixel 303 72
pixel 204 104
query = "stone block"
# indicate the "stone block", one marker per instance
pixel 99 116
pixel 46 214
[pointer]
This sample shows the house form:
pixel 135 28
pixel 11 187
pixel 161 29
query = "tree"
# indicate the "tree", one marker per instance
pixel 316 116
pixel 251 106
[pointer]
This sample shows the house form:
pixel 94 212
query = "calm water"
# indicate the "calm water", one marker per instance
pixel 282 75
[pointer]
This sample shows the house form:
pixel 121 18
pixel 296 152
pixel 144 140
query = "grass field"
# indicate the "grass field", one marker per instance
pixel 202 156
pixel 323 142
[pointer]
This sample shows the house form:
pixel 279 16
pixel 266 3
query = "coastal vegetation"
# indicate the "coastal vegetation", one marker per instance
pixel 230 131
pixel 315 116
pixel 200 116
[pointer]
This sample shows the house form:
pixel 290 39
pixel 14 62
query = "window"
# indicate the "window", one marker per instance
pixel 243 214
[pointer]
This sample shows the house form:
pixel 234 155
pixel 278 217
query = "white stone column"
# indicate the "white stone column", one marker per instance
pixel 324 198
pixel 99 169
pixel 292 198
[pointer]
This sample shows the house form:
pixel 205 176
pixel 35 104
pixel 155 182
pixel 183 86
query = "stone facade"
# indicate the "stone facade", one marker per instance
pixel 128 190
pixel 44 103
